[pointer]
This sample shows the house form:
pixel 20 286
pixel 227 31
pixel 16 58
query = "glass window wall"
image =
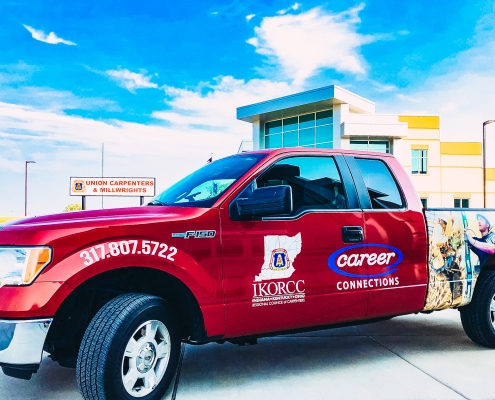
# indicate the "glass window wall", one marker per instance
pixel 308 130
pixel 379 146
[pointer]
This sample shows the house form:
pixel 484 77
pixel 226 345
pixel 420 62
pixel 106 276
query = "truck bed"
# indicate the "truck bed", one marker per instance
pixel 455 260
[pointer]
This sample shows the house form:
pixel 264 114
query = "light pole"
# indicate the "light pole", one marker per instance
pixel 26 187
pixel 490 121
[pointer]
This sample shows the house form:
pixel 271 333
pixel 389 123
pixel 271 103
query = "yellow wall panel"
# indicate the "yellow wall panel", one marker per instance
pixel 461 148
pixel 420 122
pixel 490 174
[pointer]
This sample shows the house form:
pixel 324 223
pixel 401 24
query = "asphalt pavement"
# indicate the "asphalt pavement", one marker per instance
pixel 409 357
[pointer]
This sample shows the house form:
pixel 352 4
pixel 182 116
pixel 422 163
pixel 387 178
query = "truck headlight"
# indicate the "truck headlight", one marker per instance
pixel 21 265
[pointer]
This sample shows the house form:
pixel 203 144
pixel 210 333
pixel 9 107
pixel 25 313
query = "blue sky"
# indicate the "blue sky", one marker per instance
pixel 159 81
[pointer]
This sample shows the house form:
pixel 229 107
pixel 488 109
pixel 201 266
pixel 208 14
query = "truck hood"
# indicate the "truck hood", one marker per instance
pixel 71 222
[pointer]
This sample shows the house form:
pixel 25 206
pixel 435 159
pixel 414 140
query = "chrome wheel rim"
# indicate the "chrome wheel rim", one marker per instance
pixel 146 358
pixel 492 311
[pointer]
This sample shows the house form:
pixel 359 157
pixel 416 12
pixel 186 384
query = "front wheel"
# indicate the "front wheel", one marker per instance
pixel 130 350
pixel 478 317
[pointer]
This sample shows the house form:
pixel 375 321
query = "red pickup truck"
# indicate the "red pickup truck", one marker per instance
pixel 248 246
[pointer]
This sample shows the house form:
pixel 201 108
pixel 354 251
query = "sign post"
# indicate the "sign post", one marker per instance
pixel 119 187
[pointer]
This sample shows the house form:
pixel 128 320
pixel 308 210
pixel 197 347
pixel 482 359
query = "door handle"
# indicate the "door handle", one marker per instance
pixel 352 234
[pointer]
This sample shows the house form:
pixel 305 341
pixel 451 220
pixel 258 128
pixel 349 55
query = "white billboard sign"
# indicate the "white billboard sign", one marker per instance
pixel 130 187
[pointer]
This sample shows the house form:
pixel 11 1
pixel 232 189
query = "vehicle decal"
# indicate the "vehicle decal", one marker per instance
pixel 378 260
pixel 127 247
pixel 469 265
pixel 195 234
pixel 460 244
pixel 280 253
pixel 384 262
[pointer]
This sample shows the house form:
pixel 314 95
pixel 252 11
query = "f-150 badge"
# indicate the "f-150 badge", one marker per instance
pixel 195 234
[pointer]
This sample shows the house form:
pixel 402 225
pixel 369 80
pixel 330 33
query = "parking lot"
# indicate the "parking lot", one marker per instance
pixel 409 357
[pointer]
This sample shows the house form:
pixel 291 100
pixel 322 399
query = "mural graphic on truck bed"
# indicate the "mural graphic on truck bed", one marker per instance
pixel 460 243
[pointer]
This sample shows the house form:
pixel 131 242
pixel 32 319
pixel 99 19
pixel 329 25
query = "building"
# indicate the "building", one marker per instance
pixel 445 174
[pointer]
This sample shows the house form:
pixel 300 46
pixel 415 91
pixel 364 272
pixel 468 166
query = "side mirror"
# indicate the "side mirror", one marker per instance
pixel 267 201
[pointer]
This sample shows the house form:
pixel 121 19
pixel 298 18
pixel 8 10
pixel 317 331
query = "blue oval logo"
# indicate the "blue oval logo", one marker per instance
pixel 387 262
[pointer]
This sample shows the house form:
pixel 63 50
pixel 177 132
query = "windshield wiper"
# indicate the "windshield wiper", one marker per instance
pixel 156 203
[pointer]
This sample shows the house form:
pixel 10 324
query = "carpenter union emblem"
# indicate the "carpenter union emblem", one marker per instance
pixel 279 260
pixel 78 186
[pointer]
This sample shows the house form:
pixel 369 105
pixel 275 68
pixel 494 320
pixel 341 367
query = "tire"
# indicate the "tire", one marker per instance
pixel 478 317
pixel 130 350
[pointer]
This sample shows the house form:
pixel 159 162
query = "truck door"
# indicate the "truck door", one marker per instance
pixel 276 273
pixel 395 239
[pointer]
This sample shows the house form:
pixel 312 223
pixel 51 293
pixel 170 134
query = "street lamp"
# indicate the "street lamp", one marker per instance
pixel 26 187
pixel 490 121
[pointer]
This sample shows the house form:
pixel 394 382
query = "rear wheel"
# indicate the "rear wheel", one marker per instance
pixel 130 350
pixel 478 317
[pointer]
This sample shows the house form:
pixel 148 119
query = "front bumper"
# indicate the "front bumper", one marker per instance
pixel 21 346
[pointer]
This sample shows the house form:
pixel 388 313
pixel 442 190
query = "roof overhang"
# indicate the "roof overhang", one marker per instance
pixel 305 102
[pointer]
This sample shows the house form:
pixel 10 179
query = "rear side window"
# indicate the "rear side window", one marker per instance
pixel 382 188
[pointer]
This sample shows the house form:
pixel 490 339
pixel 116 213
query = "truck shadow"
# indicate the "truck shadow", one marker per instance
pixel 362 352
pixel 51 382
pixel 285 363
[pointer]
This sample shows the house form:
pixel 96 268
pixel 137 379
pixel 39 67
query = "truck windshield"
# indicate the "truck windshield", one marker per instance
pixel 202 188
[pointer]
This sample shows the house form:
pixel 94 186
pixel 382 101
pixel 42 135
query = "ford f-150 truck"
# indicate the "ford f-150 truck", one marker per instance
pixel 251 245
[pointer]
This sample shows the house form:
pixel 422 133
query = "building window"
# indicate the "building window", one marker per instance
pixel 380 146
pixel 424 201
pixel 308 130
pixel 419 161
pixel 461 203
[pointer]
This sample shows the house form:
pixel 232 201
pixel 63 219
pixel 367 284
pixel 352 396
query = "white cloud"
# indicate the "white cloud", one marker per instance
pixel 250 17
pixel 55 100
pixel 409 99
pixel 460 91
pixel 293 7
pixel 13 73
pixel 131 80
pixel 198 122
pixel 313 40
pixel 382 87
pixel 215 110
pixel 9 165
pixel 51 38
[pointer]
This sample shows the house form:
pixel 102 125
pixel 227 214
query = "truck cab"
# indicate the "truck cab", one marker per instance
pixel 248 246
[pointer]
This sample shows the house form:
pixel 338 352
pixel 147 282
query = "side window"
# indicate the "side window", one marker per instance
pixel 419 160
pixel 461 203
pixel 315 181
pixel 382 188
